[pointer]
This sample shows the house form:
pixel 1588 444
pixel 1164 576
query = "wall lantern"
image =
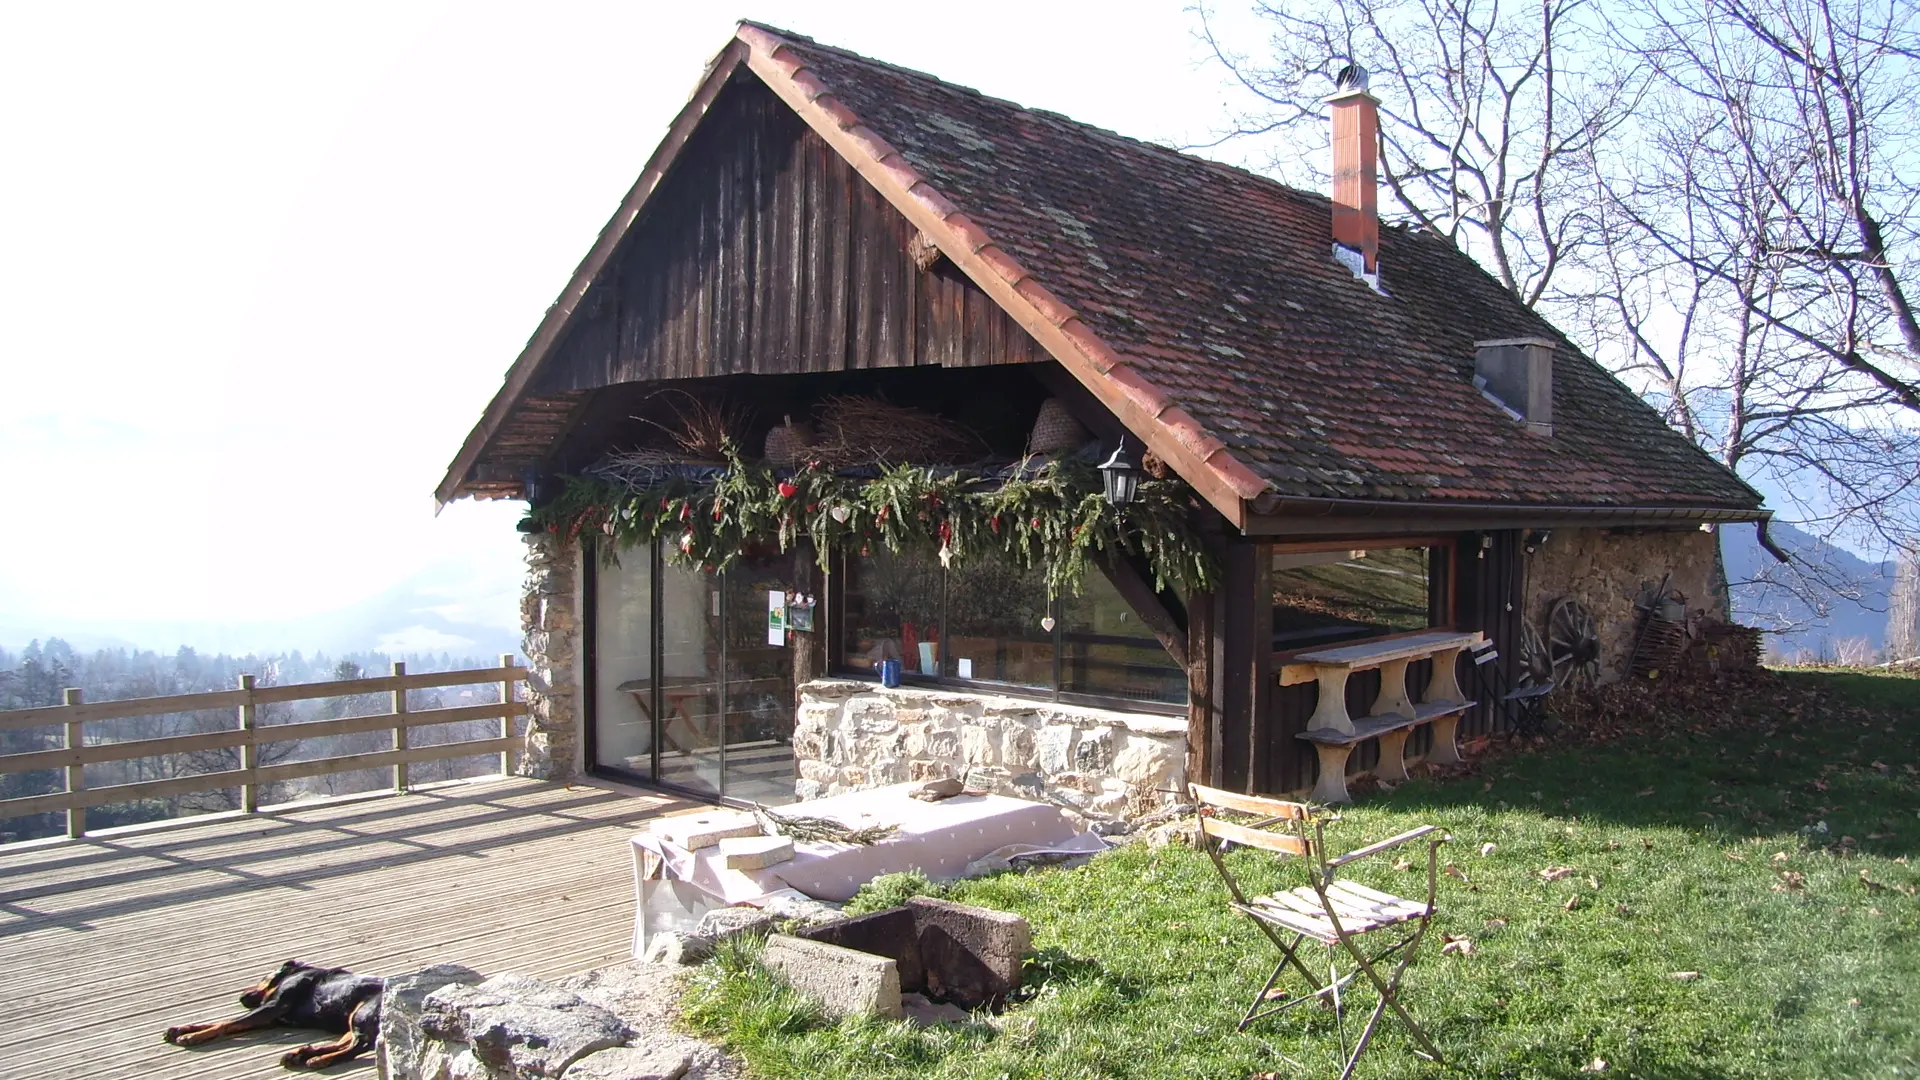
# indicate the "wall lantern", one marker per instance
pixel 1121 472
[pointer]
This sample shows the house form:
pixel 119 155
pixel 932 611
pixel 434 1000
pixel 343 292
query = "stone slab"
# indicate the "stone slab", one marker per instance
pixel 755 852
pixel 844 981
pixel 520 1026
pixel 729 922
pixel 893 933
pixel 631 1063
pixel 951 934
pixel 403 998
pixel 696 831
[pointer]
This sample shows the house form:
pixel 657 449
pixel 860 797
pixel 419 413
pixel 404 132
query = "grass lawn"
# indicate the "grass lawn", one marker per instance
pixel 1699 853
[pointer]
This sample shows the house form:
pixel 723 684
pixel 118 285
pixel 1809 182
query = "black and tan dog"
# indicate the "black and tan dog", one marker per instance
pixel 303 996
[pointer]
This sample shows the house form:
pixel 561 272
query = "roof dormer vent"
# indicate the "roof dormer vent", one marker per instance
pixel 1517 375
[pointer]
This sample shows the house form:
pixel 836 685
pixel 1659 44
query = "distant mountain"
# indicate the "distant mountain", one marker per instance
pixel 439 610
pixel 1852 590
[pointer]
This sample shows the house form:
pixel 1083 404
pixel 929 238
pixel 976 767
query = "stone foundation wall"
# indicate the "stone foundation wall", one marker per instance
pixel 1607 570
pixel 550 622
pixel 851 735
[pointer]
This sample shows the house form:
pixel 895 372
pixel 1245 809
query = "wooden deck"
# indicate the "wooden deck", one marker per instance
pixel 106 941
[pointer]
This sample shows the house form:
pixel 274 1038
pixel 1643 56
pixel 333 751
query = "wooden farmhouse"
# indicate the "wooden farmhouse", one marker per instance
pixel 893 431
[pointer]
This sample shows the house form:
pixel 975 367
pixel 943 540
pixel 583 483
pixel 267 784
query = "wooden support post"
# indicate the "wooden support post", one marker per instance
pixel 1445 751
pixel 1392 766
pixel 77 772
pixel 1392 699
pixel 400 777
pixel 249 750
pixel 506 714
pixel 1444 684
pixel 1203 721
pixel 1331 788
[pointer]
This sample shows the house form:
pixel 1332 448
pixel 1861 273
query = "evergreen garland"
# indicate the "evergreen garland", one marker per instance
pixel 1055 518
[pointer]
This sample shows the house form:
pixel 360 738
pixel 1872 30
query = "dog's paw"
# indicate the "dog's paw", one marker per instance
pixel 296 1058
pixel 173 1035
pixel 184 1034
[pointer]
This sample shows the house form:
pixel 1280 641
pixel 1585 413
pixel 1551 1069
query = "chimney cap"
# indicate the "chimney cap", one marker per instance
pixel 1351 77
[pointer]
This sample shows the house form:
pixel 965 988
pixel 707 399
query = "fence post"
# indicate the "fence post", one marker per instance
pixel 76 772
pixel 400 726
pixel 506 714
pixel 249 750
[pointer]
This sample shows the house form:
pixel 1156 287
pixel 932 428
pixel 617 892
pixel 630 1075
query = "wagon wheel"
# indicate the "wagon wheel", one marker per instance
pixel 1573 644
pixel 1536 666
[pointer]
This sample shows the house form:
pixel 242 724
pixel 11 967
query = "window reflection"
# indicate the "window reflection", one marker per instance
pixel 1321 597
pixel 1108 651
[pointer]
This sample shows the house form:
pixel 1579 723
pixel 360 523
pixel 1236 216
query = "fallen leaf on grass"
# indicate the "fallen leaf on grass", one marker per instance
pixel 1644 794
pixel 1819 785
pixel 1555 873
pixel 1789 880
pixel 1593 883
pixel 1872 885
pixel 1495 924
pixel 1613 845
pixel 1781 856
pixel 1459 946
pixel 1402 864
pixel 1572 902
pixel 1596 1065
pixel 1734 855
pixel 1646 844
pixel 1274 994
pixel 1453 871
pixel 1684 976
pixel 1486 849
pixel 1879 836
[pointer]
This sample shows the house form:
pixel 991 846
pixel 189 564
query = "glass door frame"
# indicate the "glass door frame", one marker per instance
pixel 589 712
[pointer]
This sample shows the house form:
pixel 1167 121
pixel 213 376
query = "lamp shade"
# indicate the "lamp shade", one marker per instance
pixel 1121 474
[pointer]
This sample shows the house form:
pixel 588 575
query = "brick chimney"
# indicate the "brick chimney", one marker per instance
pixel 1356 159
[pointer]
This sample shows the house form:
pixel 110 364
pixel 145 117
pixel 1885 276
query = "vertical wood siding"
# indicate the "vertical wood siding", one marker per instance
pixel 766 253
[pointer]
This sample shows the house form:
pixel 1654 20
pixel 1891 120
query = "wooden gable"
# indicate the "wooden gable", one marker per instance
pixel 764 252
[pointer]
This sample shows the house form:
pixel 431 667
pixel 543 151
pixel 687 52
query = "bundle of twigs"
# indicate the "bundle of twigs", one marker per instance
pixel 865 430
pixel 638 470
pixel 702 427
pixel 808 829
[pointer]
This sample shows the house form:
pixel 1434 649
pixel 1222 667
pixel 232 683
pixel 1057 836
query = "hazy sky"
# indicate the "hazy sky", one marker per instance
pixel 263 264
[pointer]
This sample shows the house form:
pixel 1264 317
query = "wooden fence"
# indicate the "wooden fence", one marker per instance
pixel 248 736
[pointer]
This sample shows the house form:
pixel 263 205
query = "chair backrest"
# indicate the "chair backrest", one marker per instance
pixel 1292 816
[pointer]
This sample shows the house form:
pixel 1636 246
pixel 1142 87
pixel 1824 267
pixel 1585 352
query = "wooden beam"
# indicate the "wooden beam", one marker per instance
pixel 1169 630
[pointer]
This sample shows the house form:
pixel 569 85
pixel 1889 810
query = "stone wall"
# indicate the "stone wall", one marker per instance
pixel 550 621
pixel 852 735
pixel 1607 570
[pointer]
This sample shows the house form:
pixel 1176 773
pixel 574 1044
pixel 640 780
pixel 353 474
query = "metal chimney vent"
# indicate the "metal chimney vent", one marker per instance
pixel 1350 77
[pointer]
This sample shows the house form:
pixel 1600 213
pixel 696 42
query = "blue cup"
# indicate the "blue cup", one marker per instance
pixel 889 673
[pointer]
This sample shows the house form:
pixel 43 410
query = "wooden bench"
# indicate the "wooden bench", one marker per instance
pixel 1394 715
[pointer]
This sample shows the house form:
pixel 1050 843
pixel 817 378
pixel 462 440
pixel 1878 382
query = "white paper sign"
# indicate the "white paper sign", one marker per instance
pixel 965 667
pixel 776 617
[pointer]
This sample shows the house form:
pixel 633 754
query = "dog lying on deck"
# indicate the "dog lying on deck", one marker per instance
pixel 303 996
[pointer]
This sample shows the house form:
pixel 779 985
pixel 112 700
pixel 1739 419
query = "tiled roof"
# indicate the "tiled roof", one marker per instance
pixel 1205 306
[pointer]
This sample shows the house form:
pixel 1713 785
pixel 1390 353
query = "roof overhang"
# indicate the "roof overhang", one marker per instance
pixel 1354 517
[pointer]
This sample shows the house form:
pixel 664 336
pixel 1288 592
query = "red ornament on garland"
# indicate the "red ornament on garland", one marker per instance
pixel 788 489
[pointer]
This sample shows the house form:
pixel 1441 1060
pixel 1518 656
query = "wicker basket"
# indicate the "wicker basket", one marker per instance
pixel 1055 430
pixel 788 442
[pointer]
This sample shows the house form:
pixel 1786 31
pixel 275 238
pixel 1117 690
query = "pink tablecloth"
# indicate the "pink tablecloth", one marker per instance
pixel 939 839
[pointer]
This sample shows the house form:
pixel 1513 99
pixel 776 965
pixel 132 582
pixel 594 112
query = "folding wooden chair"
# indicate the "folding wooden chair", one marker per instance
pixel 1334 912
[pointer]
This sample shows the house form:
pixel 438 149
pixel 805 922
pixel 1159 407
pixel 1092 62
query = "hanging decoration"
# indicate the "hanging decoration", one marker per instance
pixel 1054 517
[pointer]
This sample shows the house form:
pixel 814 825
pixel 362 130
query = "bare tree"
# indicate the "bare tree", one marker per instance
pixel 1903 609
pixel 1488 118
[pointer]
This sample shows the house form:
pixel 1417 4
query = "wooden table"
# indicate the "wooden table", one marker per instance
pixel 1394 715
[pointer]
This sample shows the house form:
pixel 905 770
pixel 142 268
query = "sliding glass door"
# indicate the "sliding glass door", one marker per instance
pixel 691 689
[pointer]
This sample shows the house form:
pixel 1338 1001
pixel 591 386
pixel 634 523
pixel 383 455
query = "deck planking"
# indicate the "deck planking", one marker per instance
pixel 108 940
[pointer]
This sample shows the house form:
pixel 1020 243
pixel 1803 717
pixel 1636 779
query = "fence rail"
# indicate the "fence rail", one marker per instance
pixel 248 735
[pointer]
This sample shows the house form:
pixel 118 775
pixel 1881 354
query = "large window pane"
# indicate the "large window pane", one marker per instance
pixel 623 663
pixel 759 757
pixel 1331 596
pixel 691 710
pixel 892 611
pixel 1107 650
pixel 995 631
